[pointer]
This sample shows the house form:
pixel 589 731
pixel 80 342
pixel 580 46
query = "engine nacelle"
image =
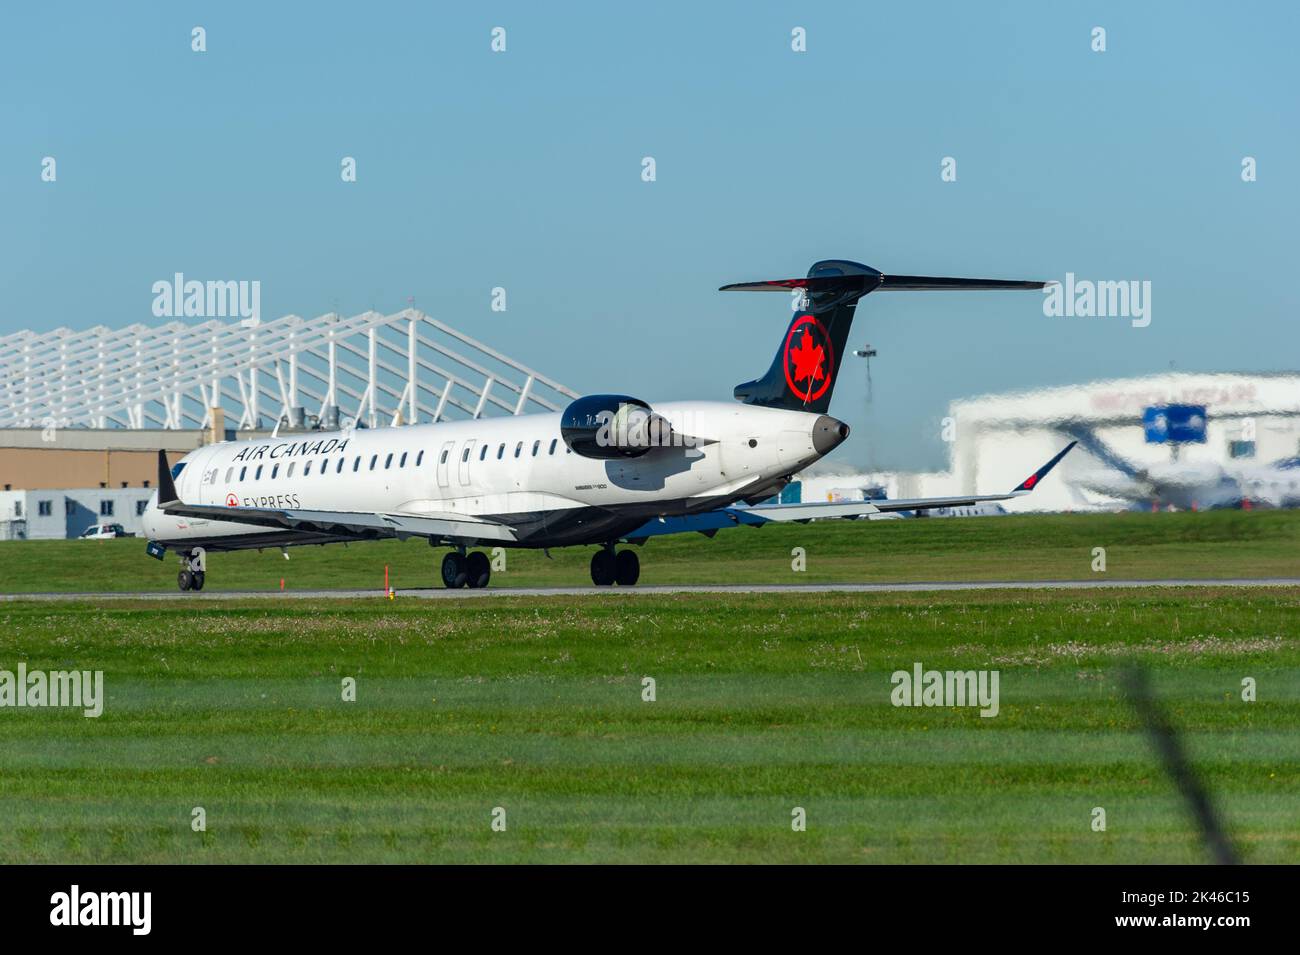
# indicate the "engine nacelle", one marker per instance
pixel 613 426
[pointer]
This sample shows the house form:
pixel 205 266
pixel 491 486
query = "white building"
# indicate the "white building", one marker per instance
pixel 58 514
pixel 1251 419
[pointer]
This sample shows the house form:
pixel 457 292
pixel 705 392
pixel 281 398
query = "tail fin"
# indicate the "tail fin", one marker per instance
pixel 166 485
pixel 803 373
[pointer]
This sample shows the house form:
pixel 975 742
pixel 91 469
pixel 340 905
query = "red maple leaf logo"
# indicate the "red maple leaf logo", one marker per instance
pixel 807 360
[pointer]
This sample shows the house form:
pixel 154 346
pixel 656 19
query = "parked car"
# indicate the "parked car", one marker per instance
pixel 103 531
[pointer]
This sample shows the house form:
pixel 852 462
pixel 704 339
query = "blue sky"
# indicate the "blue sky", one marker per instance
pixel 523 170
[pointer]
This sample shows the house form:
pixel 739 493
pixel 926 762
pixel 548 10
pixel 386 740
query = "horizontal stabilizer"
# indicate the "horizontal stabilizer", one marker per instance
pixel 884 283
pixel 815 283
pixel 926 283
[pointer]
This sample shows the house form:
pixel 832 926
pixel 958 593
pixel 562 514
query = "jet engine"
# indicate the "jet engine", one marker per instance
pixel 613 426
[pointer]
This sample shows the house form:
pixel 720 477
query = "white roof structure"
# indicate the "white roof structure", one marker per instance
pixel 370 368
pixel 1120 402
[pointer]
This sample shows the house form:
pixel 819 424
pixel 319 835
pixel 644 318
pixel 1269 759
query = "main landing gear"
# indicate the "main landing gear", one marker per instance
pixel 193 570
pixel 466 570
pixel 608 567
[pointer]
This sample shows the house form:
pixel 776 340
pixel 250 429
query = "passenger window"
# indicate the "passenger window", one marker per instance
pixel 419 459
pixel 402 462
pixel 388 461
pixel 230 472
pixel 257 475
pixel 501 451
pixel 464 456
pixel 339 467
pixel 443 459
pixel 275 469
pixel 289 472
pixel 306 469
pixel 536 445
pixel 374 459
pixel 242 472
pixel 356 464
pixel 552 451
pixel 518 447
pixel 482 455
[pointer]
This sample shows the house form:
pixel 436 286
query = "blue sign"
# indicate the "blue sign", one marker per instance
pixel 1176 423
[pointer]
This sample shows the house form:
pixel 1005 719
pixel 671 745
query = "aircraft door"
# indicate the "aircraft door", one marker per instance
pixel 466 455
pixel 444 463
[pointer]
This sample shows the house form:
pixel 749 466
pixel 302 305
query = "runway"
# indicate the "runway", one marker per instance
pixel 831 588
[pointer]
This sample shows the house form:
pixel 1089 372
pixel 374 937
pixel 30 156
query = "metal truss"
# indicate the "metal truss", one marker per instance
pixel 367 369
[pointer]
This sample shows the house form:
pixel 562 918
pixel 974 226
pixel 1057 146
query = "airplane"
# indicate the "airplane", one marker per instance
pixel 1186 485
pixel 608 469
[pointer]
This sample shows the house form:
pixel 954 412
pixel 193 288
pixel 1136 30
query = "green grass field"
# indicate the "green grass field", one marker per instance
pixel 534 704
pixel 1218 544
pixel 764 703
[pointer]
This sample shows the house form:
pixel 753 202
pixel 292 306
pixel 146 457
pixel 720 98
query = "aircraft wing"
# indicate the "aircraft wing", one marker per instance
pixel 710 522
pixel 456 528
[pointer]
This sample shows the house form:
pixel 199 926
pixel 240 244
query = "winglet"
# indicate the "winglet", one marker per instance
pixel 166 486
pixel 1029 483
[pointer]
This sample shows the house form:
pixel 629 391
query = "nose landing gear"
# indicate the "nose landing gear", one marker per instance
pixel 466 570
pixel 193 570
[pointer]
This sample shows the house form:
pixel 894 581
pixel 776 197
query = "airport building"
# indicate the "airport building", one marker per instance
pixel 83 414
pixel 1224 424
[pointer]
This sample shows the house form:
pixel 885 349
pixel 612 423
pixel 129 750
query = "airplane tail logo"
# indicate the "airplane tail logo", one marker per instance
pixel 809 359
pixel 802 375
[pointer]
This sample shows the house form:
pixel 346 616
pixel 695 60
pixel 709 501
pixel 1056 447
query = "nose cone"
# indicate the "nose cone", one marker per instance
pixel 828 434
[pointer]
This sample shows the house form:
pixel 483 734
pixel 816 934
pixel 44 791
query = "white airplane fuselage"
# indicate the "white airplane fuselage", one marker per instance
pixel 515 470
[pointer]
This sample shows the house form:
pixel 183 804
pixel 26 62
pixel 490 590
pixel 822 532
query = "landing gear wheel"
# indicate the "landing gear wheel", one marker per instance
pixel 602 568
pixel 198 577
pixel 185 580
pixel 478 569
pixel 453 571
pixel 627 568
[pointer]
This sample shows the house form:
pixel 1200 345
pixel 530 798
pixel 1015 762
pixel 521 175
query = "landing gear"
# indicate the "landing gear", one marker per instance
pixel 627 568
pixel 603 567
pixel 479 569
pixel 454 573
pixel 466 570
pixel 193 570
pixel 623 568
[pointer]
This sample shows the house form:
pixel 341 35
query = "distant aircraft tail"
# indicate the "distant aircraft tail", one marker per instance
pixel 802 375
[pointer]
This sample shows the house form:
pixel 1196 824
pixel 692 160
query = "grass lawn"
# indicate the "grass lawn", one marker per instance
pixel 1219 544
pixel 763 703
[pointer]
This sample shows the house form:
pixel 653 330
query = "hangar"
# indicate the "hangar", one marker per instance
pixel 1250 422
